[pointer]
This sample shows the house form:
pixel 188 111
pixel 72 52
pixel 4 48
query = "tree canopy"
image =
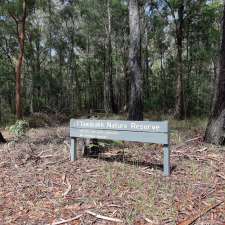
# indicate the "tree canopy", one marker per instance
pixel 76 56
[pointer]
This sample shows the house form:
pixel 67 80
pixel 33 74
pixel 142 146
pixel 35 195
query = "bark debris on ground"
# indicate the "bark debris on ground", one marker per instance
pixel 123 185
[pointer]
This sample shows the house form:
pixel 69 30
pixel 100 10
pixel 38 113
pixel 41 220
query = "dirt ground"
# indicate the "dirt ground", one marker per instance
pixel 123 185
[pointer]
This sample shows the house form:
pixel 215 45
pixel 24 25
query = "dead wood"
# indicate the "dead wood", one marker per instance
pixel 104 217
pixel 67 221
pixel 202 213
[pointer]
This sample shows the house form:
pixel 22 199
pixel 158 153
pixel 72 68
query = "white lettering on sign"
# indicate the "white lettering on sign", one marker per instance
pixel 97 134
pixel 144 127
pixel 137 126
pixel 111 125
pixel 90 124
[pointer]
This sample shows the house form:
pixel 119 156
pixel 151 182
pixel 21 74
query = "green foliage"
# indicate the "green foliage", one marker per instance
pixel 66 49
pixel 19 128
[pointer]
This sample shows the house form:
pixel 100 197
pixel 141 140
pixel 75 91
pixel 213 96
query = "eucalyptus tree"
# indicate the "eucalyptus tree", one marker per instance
pixel 18 10
pixel 215 132
pixel 135 68
pixel 183 38
pixel 109 102
pixel 177 12
pixel 36 58
pixel 120 38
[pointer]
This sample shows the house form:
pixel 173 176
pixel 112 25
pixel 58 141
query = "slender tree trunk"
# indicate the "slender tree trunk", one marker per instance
pixel 136 98
pixel 109 102
pixel 124 53
pixel 20 25
pixel 215 131
pixel 179 107
pixel 189 69
pixel 31 86
pixel 90 83
pixel 19 65
pixel 214 82
pixel 146 65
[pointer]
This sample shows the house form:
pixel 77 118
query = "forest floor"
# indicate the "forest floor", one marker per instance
pixel 125 184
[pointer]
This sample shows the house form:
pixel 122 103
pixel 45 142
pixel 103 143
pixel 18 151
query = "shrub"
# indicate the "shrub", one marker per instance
pixel 40 120
pixel 19 128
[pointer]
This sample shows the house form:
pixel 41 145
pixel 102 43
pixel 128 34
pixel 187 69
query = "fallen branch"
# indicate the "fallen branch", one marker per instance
pixel 46 156
pixel 197 216
pixel 221 176
pixel 116 206
pixel 66 221
pixel 193 139
pixel 104 217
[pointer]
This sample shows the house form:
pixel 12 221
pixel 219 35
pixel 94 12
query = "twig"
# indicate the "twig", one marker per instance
pixel 179 146
pixel 66 221
pixel 147 220
pixel 202 150
pixel 104 217
pixel 91 170
pixel 213 158
pixel 46 156
pixel 221 176
pixel 69 187
pixel 202 213
pixel 146 172
pixel 52 163
pixel 116 206
pixel 193 139
pixel 42 152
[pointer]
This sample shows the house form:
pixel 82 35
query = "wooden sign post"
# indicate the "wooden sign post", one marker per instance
pixel 138 131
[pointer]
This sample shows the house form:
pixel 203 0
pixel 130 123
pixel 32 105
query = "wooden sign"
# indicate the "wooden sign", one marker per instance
pixel 138 131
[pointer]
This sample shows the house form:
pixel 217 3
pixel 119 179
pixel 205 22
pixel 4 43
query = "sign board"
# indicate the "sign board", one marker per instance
pixel 138 131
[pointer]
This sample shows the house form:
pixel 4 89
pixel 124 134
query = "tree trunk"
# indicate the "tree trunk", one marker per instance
pixel 18 73
pixel 109 102
pixel 136 98
pixel 126 90
pixel 179 107
pixel 20 24
pixel 215 131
